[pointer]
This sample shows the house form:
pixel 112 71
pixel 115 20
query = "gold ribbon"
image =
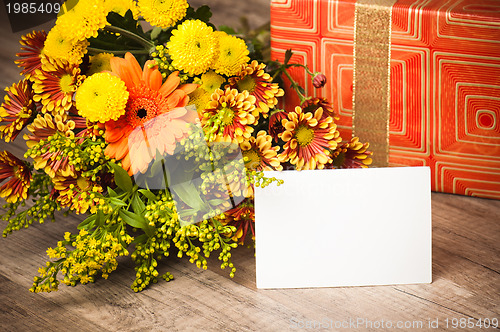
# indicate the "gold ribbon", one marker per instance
pixel 372 76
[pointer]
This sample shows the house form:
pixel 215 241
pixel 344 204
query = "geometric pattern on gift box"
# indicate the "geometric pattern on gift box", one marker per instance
pixel 337 65
pixel 409 125
pixel 407 20
pixel 467 180
pixel 340 19
pixel 467 106
pixel 468 20
pixel 298 16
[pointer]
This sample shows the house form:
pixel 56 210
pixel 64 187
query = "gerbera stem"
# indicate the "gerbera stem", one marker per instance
pixel 131 35
pixel 120 52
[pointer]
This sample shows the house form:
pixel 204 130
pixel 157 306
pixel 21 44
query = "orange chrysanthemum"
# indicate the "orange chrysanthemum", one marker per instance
pixel 258 83
pixel 259 154
pixel 243 218
pixel 17 110
pixel 31 52
pixel 351 154
pixel 149 112
pixel 312 104
pixel 74 192
pixel 18 176
pixel 55 87
pixel 309 138
pixel 275 125
pixel 229 115
pixel 47 156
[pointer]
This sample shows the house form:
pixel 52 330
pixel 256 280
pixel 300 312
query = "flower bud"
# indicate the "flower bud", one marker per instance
pixel 319 80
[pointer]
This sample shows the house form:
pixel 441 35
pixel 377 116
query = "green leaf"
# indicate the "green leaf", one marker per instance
pixel 88 222
pixel 156 32
pixel 137 204
pixel 137 221
pixel 112 193
pixel 117 202
pixel 189 194
pixel 203 13
pixel 133 219
pixel 100 218
pixel 140 239
pixel 122 179
pixel 148 194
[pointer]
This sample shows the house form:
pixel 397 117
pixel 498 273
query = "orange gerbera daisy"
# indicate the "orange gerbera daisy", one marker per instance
pixel 17 110
pixel 351 154
pixel 150 122
pixel 18 176
pixel 309 138
pixel 258 83
pixel 55 87
pixel 31 52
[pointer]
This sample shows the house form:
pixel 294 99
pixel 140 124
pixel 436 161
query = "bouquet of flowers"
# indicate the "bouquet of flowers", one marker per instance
pixel 157 137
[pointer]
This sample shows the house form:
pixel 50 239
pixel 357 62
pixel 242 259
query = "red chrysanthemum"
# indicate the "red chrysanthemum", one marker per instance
pixel 17 110
pixel 15 176
pixel 30 57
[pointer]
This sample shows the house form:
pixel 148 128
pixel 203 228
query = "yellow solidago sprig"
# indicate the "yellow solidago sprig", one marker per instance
pixel 163 14
pixel 43 207
pixel 193 47
pixel 102 97
pixel 93 252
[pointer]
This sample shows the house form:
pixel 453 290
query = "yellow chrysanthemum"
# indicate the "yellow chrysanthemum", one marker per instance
pixel 99 63
pixel 101 97
pixel 83 20
pixel 210 81
pixel 193 47
pixel 59 48
pixel 233 53
pixel 163 13
pixel 199 98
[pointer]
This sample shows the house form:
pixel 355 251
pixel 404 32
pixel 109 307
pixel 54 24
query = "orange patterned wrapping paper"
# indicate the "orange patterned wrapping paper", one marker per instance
pixel 444 81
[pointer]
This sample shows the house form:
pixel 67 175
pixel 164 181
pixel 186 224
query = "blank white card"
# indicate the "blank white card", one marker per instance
pixel 348 227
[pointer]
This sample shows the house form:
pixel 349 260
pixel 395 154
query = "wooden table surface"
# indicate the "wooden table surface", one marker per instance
pixel 466 267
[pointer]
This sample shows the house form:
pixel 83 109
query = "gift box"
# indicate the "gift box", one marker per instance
pixel 418 79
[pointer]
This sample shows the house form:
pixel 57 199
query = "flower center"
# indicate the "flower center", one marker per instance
pixel 66 83
pixel 252 159
pixel 140 111
pixel 248 83
pixel 304 135
pixel 82 183
pixel 227 116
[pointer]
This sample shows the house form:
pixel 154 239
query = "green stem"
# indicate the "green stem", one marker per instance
pixel 295 86
pixel 131 35
pixel 94 50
